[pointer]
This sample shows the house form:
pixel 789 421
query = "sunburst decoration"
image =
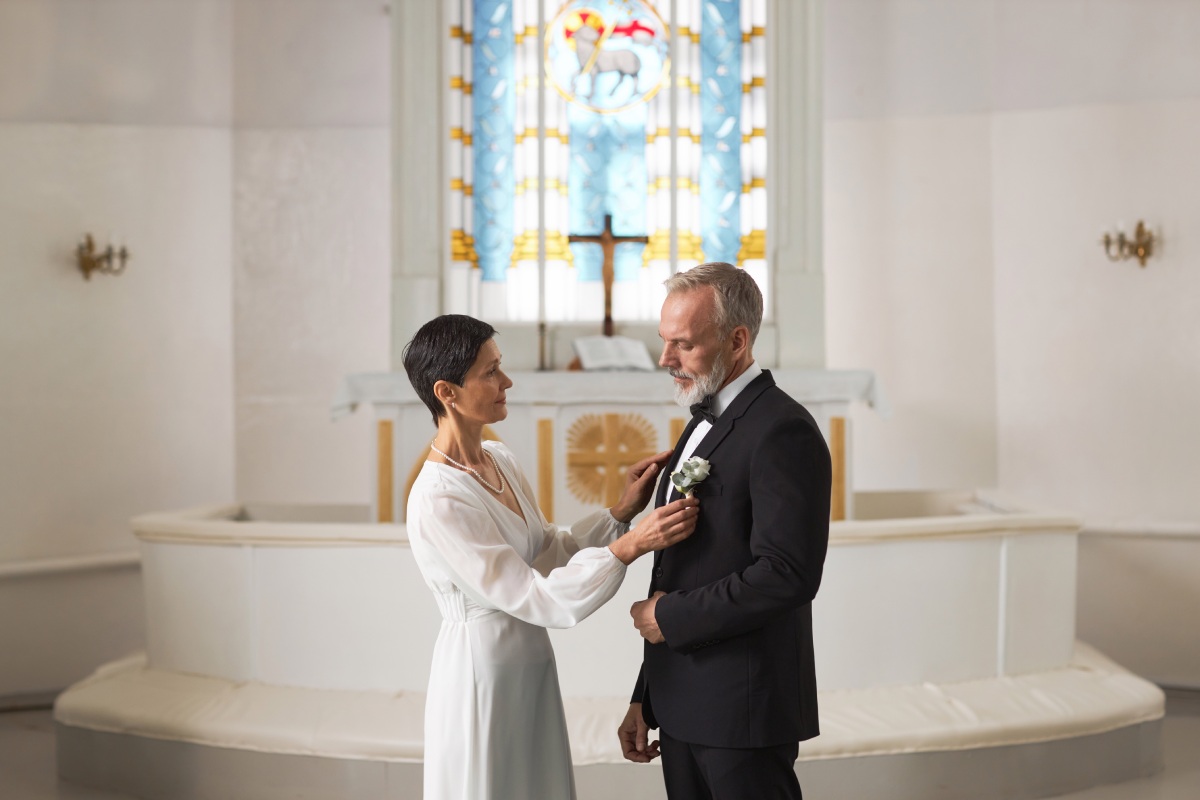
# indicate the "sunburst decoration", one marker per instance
pixel 600 448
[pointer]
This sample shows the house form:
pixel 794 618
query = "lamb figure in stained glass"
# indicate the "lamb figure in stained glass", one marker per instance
pixel 624 62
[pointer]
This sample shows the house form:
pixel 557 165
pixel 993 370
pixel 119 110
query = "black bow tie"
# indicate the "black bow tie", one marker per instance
pixel 704 409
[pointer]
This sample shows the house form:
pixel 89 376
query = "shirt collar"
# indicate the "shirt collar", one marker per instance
pixel 726 396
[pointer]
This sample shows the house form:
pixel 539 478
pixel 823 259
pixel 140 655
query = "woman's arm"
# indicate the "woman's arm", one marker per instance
pixel 461 535
pixel 559 545
pixel 661 528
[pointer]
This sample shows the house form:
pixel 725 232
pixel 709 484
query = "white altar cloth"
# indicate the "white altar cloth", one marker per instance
pixel 566 388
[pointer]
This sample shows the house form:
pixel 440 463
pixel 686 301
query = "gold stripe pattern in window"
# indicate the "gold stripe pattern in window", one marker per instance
pixel 754 245
pixel 462 247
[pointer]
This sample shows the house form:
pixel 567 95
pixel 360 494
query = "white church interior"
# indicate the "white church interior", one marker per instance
pixel 222 219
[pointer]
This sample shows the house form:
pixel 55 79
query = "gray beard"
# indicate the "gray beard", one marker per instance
pixel 702 385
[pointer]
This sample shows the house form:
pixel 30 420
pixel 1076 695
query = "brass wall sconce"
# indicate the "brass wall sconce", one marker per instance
pixel 108 261
pixel 1123 248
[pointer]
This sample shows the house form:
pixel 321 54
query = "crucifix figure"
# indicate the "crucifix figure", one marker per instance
pixel 608 243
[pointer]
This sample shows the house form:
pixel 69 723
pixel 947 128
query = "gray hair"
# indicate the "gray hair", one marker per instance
pixel 739 301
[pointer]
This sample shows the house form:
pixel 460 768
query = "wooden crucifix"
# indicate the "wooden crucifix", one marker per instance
pixel 608 243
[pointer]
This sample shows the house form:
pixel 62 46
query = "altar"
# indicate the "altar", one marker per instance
pixel 575 433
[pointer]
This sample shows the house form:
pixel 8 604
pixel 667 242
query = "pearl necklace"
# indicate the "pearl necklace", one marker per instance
pixel 474 471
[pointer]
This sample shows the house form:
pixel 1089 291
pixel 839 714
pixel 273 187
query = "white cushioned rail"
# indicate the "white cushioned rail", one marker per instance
pixel 1088 696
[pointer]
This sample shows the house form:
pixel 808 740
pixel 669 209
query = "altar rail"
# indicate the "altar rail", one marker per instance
pixel 293 643
pixel 341 605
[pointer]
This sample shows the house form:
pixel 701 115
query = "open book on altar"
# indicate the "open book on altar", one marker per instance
pixel 613 353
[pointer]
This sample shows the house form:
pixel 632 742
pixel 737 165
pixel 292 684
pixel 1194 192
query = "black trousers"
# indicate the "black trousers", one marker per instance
pixel 696 772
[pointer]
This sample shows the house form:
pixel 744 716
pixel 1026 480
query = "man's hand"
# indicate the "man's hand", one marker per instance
pixel 633 734
pixel 643 619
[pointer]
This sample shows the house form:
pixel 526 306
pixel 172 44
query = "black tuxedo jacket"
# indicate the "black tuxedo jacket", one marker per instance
pixel 736 669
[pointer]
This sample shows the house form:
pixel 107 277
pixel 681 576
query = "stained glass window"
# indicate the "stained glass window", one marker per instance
pixel 564 114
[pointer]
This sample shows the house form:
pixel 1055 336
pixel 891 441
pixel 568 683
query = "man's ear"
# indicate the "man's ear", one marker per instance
pixel 740 339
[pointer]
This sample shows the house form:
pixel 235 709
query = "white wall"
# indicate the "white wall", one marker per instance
pixel 115 401
pixel 312 183
pixel 908 266
pixel 1098 363
pixel 909 294
pixel 1138 598
pixel 241 149
pixel 974 153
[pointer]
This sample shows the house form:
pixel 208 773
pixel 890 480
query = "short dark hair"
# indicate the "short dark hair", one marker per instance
pixel 444 350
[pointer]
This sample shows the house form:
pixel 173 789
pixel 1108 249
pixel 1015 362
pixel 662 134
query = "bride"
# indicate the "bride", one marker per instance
pixel 502 574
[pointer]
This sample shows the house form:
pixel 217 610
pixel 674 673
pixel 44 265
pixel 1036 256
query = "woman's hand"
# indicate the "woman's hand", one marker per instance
pixel 663 527
pixel 639 485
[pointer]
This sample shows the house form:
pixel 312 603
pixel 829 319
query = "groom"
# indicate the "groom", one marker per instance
pixel 727 676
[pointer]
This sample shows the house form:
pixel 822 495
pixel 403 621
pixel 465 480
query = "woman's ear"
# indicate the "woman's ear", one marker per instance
pixel 444 391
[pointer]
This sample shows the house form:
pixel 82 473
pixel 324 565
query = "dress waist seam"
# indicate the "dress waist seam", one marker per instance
pixel 455 607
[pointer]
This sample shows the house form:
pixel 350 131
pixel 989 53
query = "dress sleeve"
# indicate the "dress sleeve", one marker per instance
pixel 484 566
pixel 559 546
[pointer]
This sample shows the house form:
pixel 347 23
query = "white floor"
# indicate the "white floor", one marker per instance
pixel 27 761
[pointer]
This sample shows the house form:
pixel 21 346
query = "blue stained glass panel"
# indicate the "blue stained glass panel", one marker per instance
pixel 721 136
pixel 494 109
pixel 607 175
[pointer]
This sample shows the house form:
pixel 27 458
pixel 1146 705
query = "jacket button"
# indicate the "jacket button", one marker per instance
pixel 658 572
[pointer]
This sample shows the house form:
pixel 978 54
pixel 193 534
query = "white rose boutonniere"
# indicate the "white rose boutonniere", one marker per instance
pixel 691 473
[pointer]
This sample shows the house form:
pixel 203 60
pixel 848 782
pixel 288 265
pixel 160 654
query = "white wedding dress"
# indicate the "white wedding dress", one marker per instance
pixel 494 724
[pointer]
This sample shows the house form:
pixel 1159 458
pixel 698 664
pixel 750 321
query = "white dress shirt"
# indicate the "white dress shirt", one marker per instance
pixel 721 402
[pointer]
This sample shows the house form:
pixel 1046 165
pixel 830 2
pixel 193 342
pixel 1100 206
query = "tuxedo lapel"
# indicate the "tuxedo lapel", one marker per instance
pixel 728 419
pixel 723 427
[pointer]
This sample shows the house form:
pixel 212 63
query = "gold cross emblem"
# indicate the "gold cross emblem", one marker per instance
pixel 600 447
